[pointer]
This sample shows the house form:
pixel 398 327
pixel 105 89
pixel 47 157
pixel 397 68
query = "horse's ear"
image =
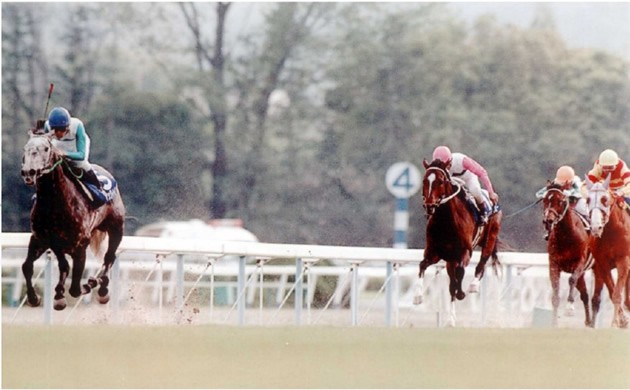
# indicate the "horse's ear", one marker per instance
pixel 607 181
pixel 588 182
pixel 549 182
pixel 425 163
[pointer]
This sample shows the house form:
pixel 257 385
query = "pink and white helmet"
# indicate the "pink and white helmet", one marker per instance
pixel 564 175
pixel 442 153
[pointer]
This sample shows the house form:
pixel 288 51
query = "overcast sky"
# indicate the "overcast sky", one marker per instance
pixel 584 24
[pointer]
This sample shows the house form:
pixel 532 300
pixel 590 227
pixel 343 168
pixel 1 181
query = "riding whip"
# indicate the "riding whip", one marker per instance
pixel 50 91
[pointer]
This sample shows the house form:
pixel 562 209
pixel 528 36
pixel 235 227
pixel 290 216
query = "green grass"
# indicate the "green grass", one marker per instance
pixel 312 357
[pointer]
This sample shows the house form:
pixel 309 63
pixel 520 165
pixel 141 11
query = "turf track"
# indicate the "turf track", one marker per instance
pixel 232 357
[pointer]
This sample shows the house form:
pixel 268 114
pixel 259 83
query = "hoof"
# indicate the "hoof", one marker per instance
pixel 474 287
pixel 60 304
pixel 417 300
pixel 102 296
pixel 34 302
pixel 570 312
pixel 460 295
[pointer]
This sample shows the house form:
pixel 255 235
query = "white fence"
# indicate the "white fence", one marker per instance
pixel 243 271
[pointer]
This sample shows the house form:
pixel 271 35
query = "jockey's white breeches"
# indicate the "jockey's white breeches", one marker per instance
pixel 471 181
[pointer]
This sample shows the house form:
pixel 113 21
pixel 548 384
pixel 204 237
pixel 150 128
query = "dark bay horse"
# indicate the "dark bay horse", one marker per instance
pixel 610 245
pixel 453 233
pixel 63 220
pixel 568 249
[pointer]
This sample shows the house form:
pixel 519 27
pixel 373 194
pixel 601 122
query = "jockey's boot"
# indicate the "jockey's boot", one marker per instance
pixel 483 213
pixel 90 177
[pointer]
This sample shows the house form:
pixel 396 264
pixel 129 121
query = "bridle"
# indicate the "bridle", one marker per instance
pixel 595 194
pixel 445 198
pixel 551 210
pixel 50 165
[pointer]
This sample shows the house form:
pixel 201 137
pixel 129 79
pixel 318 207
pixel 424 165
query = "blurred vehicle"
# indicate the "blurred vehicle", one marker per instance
pixel 215 230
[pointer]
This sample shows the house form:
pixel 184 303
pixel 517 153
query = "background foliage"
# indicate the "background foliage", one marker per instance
pixel 291 126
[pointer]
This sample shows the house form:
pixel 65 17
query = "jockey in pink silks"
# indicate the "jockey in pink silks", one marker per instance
pixel 471 173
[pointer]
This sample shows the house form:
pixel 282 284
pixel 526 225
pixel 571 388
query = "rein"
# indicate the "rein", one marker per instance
pixel 446 199
pixel 564 212
pixel 46 171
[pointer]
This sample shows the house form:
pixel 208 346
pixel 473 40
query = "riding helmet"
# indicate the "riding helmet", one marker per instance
pixel 59 117
pixel 608 157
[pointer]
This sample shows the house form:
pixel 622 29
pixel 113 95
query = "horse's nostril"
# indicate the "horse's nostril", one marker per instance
pixel 23 173
pixel 31 172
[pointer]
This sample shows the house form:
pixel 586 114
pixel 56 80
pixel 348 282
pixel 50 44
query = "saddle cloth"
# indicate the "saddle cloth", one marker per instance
pixel 108 183
pixel 472 204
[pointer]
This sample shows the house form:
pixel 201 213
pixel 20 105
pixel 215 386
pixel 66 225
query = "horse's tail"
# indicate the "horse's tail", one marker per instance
pixel 99 238
pixel 496 263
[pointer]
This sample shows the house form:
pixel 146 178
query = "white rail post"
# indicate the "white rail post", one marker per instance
pixel 115 299
pixel 388 293
pixel 241 290
pixel 160 276
pixel 299 299
pixel 507 292
pixel 354 293
pixel 48 295
pixel 179 287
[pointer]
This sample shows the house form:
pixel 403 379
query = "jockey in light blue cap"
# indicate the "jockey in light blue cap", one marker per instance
pixel 71 141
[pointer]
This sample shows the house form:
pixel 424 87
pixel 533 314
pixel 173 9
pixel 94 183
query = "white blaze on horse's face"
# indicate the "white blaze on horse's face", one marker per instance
pixel 36 157
pixel 599 201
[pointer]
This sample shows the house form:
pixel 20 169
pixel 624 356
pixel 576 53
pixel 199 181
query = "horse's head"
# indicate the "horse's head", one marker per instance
pixel 37 158
pixel 599 201
pixel 436 186
pixel 555 204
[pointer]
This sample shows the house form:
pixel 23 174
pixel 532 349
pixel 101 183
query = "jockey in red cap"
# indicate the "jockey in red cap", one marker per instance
pixel 471 173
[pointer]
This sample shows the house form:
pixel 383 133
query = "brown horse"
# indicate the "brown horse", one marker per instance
pixel 453 233
pixel 567 247
pixel 610 226
pixel 64 221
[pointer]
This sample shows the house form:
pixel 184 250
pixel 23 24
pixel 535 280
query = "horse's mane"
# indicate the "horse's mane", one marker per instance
pixel 437 164
pixel 554 186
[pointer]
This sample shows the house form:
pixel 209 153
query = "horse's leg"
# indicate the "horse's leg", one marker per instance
pixel 597 292
pixel 581 286
pixel 570 311
pixel 628 293
pixel 115 237
pixel 64 271
pixel 424 264
pixel 454 288
pixel 35 250
pixel 620 319
pixel 489 249
pixel 78 266
pixel 554 277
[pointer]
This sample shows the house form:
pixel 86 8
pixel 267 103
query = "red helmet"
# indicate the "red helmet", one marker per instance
pixel 442 153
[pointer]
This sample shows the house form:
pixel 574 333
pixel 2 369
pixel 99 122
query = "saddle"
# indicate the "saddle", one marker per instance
pixel 96 197
pixel 472 203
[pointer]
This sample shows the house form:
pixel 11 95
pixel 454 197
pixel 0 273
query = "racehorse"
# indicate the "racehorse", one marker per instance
pixel 452 233
pixel 64 221
pixel 610 245
pixel 567 247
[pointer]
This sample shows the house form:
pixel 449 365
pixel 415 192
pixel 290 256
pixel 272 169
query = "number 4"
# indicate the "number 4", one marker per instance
pixel 404 180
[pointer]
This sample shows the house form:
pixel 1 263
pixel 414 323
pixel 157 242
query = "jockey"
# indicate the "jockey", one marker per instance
pixel 609 164
pixel 470 172
pixel 71 141
pixel 570 184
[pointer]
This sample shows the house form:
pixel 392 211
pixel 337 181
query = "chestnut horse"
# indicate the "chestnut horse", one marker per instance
pixel 64 221
pixel 453 233
pixel 568 249
pixel 610 227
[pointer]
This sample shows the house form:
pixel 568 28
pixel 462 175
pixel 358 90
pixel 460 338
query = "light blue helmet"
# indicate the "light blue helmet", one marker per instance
pixel 58 117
